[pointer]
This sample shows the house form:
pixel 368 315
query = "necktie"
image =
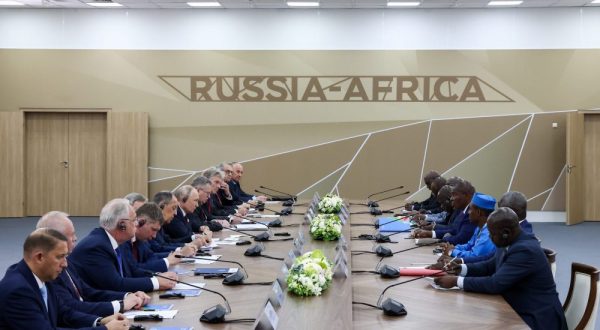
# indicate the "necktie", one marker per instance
pixel 120 262
pixel 134 251
pixel 74 286
pixel 44 293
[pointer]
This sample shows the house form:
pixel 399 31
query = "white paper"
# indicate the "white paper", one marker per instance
pixel 181 286
pixel 165 314
pixel 212 258
pixel 226 243
pixel 251 226
pixel 272 202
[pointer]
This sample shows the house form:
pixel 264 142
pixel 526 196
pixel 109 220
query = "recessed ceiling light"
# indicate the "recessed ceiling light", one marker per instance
pixel 104 4
pixel 504 3
pixel 302 4
pixel 403 4
pixel 11 3
pixel 597 2
pixel 204 4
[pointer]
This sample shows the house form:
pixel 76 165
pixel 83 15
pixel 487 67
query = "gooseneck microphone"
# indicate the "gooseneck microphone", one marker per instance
pixel 384 252
pixel 215 314
pixel 371 203
pixel 281 192
pixel 229 280
pixel 392 307
pixel 256 251
pixel 287 201
pixel 285 211
pixel 380 238
pixel 262 237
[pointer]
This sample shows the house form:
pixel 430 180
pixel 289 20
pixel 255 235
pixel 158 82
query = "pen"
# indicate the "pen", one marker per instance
pixel 149 310
pixel 446 265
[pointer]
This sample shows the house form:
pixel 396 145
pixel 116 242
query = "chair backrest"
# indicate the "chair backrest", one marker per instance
pixel 551 255
pixel 581 305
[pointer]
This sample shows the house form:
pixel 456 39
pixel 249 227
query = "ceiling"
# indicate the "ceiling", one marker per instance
pixel 241 4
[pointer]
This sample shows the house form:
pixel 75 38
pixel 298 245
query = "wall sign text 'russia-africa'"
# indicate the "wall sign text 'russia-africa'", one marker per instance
pixel 335 89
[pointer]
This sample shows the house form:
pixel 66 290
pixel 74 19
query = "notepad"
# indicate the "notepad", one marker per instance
pixel 393 226
pixel 157 307
pixel 213 271
pixel 165 314
pixel 250 226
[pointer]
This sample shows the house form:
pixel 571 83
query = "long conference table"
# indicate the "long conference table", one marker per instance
pixel 426 307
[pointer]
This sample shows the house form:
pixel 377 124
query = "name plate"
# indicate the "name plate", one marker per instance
pixel 341 270
pixel 268 319
pixel 340 256
pixel 277 294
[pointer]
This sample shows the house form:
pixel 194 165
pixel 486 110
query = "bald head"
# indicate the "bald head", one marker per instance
pixel 516 201
pixel 503 225
pixel 60 222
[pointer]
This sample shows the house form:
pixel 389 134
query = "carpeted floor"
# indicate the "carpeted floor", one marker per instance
pixel 572 243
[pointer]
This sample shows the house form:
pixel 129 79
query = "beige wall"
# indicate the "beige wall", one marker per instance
pixel 358 147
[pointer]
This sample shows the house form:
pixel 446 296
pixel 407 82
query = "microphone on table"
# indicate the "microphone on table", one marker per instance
pixel 284 199
pixel 384 252
pixel 256 223
pixel 375 211
pixel 371 203
pixel 232 279
pixel 263 237
pixel 215 314
pixel 284 211
pixel 380 238
pixel 392 307
pixel 288 202
pixel 256 251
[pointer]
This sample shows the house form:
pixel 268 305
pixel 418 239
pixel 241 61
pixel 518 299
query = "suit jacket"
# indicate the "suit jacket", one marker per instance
pixel 202 217
pixel 217 209
pixel 522 275
pixel 525 226
pixel 147 259
pixel 430 204
pixel 237 193
pixel 163 243
pixel 460 231
pixel 95 302
pixel 97 264
pixel 23 306
pixel 180 228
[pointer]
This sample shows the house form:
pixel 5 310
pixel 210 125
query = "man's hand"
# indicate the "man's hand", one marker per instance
pixel 189 250
pixel 208 234
pixel 419 217
pixel 173 260
pixel 116 321
pixel 422 233
pixel 199 241
pixel 452 268
pixel 242 211
pixel 235 219
pixel 143 296
pixel 223 223
pixel 132 301
pixel 262 198
pixel 166 284
pixel 447 281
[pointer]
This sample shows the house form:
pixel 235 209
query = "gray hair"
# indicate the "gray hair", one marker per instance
pixel 163 198
pixel 516 201
pixel 113 211
pixel 54 220
pixel 135 197
pixel 213 171
pixel 183 193
pixel 200 181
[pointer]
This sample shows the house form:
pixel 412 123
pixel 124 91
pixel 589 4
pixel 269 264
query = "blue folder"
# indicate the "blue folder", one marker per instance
pixel 393 226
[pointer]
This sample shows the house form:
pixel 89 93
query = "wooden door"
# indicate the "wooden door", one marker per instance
pixel 87 163
pixel 65 162
pixel 591 166
pixel 46 162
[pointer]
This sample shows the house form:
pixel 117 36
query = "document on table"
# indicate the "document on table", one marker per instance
pixel 165 314
pixel 204 260
pixel 251 226
pixel 181 286
pixel 437 287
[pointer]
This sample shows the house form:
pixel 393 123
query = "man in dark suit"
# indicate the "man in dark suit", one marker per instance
pixel 461 229
pixel 99 261
pixel 162 242
pixel 236 188
pixel 138 252
pixel 180 229
pixel 519 271
pixel 77 294
pixel 27 297
pixel 202 215
pixel 427 179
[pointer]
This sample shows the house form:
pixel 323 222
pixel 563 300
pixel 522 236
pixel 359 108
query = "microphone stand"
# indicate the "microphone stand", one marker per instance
pixel 215 314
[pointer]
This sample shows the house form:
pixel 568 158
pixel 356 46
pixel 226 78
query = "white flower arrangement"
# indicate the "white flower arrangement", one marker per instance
pixel 330 204
pixel 327 227
pixel 310 274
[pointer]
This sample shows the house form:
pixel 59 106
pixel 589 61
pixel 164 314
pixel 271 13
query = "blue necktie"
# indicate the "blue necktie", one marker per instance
pixel 44 293
pixel 119 261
